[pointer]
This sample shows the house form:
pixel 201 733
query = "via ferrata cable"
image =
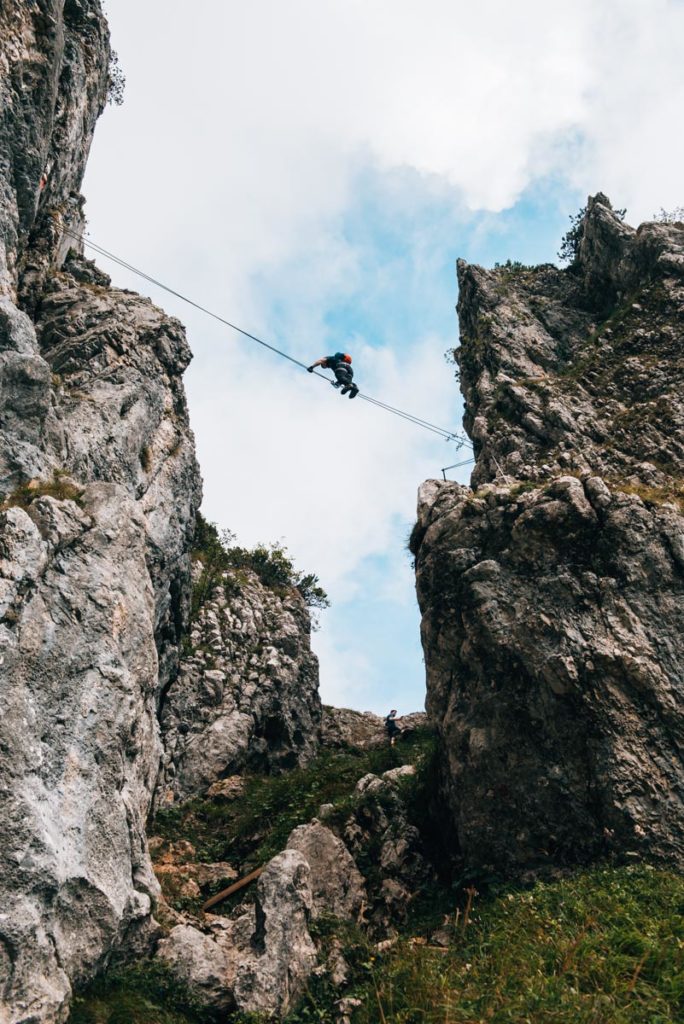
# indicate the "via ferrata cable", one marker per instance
pixel 447 435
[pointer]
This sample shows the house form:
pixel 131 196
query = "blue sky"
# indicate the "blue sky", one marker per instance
pixel 319 197
pixel 409 240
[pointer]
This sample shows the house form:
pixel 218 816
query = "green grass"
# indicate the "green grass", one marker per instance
pixel 145 993
pixel 601 946
pixel 672 492
pixel 605 946
pixel 250 830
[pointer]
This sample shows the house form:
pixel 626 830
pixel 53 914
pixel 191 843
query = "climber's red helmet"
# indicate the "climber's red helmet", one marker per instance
pixel 347 358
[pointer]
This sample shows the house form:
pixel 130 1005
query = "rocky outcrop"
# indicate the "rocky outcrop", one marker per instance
pixel 259 957
pixel 247 692
pixel 344 727
pixel 337 886
pixel 551 593
pixel 54 79
pixel 260 961
pixel 98 492
pixel 387 847
pixel 578 370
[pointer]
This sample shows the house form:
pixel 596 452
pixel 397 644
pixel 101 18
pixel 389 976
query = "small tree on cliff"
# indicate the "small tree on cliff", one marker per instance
pixel 117 81
pixel 675 216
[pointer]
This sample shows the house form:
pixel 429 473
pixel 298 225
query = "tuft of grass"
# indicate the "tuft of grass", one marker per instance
pixel 142 993
pixel 604 946
pixel 60 487
pixel 672 492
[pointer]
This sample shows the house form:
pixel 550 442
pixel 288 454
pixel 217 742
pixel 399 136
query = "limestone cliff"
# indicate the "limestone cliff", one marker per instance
pixel 246 695
pixel 98 491
pixel 552 591
pixel 110 692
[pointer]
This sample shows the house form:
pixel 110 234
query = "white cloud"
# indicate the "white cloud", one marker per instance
pixel 244 124
pixel 258 110
pixel 332 473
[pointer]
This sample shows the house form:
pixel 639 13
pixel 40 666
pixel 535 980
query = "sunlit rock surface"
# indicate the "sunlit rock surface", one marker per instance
pixel 246 696
pixel 98 492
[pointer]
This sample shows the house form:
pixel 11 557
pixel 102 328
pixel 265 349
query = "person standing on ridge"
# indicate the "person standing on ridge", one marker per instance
pixel 340 364
pixel 391 728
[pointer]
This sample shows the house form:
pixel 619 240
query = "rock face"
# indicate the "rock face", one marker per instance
pixel 259 962
pixel 380 837
pixel 552 593
pixel 344 727
pixel 247 693
pixel 337 886
pixel 98 492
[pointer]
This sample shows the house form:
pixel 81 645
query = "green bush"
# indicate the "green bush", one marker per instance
pixel 271 563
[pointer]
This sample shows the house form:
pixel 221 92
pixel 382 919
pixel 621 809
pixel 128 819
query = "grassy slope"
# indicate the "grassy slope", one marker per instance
pixel 604 946
pixel 248 831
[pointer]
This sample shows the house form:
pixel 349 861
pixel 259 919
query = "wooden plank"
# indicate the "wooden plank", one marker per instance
pixel 235 887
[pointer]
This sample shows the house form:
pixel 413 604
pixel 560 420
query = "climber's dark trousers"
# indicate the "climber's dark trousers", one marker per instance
pixel 344 375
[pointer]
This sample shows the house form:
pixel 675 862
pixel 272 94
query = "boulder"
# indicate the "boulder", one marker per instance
pixel 272 979
pixel 258 963
pixel 337 886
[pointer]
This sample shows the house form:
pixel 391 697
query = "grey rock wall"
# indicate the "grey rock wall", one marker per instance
pixel 552 592
pixel 247 693
pixel 98 492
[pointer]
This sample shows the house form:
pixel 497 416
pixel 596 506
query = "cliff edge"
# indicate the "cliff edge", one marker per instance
pixel 551 591
pixel 98 491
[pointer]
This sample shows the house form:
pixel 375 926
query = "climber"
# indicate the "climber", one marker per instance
pixel 391 728
pixel 340 364
pixel 45 176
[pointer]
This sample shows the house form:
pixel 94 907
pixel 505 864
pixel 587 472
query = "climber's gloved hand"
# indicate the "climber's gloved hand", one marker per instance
pixel 310 369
